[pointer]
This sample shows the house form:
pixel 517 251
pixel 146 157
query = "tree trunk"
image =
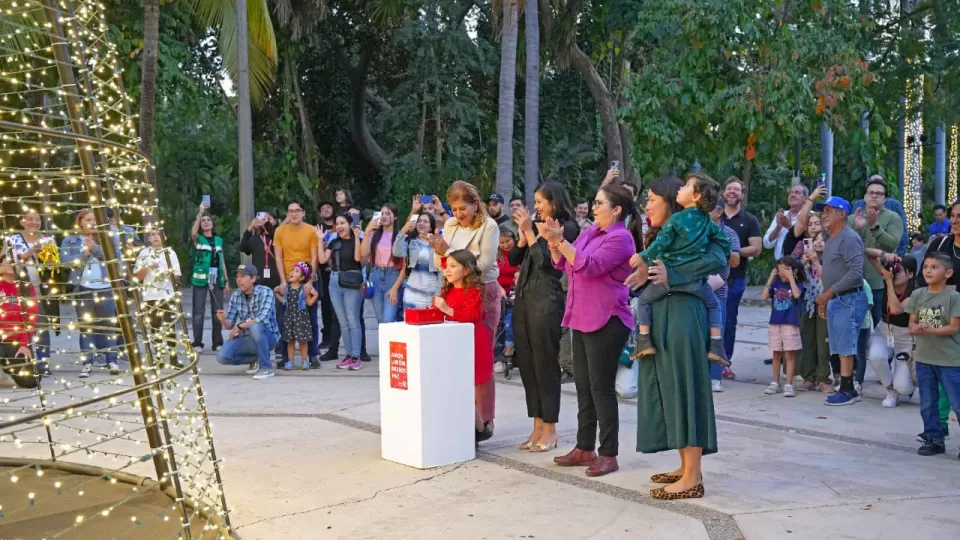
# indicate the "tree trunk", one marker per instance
pixel 148 90
pixel 606 107
pixel 244 114
pixel 357 74
pixel 421 135
pixel 311 157
pixel 439 133
pixel 531 102
pixel 508 81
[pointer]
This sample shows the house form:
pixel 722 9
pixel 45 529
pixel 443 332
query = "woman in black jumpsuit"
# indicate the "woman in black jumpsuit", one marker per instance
pixel 538 312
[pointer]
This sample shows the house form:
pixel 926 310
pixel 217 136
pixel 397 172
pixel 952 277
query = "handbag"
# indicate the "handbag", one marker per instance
pixel 347 279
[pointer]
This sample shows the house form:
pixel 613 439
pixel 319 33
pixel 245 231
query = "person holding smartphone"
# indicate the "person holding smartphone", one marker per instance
pixel 208 276
pixel 387 276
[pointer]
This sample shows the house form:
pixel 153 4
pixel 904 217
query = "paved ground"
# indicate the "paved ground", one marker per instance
pixel 302 461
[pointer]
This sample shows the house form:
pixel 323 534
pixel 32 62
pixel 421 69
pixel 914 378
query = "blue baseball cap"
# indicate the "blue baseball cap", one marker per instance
pixel 834 202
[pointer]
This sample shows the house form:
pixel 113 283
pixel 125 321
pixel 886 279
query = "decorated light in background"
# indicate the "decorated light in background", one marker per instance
pixel 952 193
pixel 913 155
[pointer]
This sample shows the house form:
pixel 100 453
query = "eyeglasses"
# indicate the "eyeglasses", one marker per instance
pixel 299 211
pixel 598 202
pixel 876 193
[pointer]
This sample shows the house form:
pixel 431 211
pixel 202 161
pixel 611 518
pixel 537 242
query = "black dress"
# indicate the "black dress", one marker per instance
pixel 537 314
pixel 296 321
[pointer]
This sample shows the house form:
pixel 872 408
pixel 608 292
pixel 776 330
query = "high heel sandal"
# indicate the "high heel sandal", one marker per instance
pixel 538 447
pixel 527 444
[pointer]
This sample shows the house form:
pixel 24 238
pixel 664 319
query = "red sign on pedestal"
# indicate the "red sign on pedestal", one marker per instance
pixel 398 365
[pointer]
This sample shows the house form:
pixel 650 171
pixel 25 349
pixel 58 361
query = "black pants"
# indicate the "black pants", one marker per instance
pixel 596 356
pixel 163 321
pixel 327 315
pixel 199 307
pixel 536 331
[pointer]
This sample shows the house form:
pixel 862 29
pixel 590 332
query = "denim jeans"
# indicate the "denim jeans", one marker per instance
pixel 254 346
pixel 383 278
pixel 508 327
pixel 844 318
pixel 97 313
pixel 346 304
pixel 734 295
pixel 716 370
pixel 928 377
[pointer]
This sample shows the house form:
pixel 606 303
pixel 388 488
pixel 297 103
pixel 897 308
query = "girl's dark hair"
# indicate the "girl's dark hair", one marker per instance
pixel 557 195
pixel 620 196
pixel 909 264
pixel 378 234
pixel 471 275
pixel 413 232
pixel 795 265
pixel 667 189
pixel 708 188
pixel 347 196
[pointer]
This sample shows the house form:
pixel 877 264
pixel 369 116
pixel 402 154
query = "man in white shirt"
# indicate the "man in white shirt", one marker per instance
pixel 784 221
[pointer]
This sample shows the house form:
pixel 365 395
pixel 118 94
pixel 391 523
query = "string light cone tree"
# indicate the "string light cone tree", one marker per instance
pixel 123 452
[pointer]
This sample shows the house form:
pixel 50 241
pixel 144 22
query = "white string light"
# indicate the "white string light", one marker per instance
pixel 913 154
pixel 952 193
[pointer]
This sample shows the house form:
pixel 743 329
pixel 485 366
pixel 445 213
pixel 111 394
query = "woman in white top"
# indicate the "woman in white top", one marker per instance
pixel 472 229
pixel 157 279
pixel 38 252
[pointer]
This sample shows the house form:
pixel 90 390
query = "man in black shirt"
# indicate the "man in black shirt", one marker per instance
pixel 495 204
pixel 748 231
pixel 327 315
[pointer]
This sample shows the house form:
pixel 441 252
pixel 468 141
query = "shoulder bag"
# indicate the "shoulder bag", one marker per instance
pixel 347 279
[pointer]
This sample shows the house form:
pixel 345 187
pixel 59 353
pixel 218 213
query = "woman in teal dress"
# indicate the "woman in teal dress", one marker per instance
pixel 675 404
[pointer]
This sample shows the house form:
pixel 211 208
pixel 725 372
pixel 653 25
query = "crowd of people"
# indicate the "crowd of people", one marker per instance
pixel 844 290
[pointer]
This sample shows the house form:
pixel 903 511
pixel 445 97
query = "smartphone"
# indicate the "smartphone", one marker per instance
pixel 414 218
pixel 205 200
pixel 262 216
pixel 356 219
pixel 806 244
pixel 822 181
pixel 328 236
pixel 376 215
pixel 615 165
pixel 426 199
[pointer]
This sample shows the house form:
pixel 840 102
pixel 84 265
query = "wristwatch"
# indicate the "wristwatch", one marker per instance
pixel 875 228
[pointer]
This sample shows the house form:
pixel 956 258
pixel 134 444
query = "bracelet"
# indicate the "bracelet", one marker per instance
pixel 554 247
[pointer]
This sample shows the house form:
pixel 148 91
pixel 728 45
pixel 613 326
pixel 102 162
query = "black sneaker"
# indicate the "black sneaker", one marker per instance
pixel 932 448
pixel 717 355
pixel 364 357
pixel 644 347
pixel 331 354
pixel 314 362
pixel 921 438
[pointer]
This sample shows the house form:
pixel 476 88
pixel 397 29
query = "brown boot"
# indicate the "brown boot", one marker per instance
pixel 644 347
pixel 576 457
pixel 716 354
pixel 603 465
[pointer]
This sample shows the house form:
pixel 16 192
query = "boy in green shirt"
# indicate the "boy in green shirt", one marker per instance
pixel 935 321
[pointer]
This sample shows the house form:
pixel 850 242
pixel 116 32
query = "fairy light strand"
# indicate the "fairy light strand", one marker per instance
pixel 913 154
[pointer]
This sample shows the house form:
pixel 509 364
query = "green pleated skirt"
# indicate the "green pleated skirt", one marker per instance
pixel 675 402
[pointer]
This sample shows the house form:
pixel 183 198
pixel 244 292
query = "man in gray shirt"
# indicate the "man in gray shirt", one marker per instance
pixel 843 302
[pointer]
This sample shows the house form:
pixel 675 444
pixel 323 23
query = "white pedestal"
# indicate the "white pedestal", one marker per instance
pixel 430 423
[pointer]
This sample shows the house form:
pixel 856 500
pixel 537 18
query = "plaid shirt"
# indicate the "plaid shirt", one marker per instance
pixel 258 306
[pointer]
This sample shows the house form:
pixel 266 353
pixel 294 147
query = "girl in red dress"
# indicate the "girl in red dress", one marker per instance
pixel 461 301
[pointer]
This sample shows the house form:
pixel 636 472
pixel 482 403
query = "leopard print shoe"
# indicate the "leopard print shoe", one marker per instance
pixel 665 478
pixel 693 493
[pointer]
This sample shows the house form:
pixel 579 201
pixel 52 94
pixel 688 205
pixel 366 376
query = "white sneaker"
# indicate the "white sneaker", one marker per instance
pixel 264 374
pixel 253 368
pixel 858 387
pixel 86 371
pixel 114 368
pixel 788 391
pixel 773 388
pixel 716 386
pixel 198 349
pixel 498 367
pixel 797 379
pixel 891 400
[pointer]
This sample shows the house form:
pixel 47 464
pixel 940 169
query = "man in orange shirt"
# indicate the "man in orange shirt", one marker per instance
pixel 295 242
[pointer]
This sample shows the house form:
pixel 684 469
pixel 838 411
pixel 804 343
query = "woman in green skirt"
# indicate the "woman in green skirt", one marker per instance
pixel 675 403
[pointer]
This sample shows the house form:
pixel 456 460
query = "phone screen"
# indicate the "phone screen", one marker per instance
pixel 206 200
pixel 414 218
pixel 426 199
pixel 376 215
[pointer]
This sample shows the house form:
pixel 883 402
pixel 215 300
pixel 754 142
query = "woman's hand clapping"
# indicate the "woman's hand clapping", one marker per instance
pixel 522 218
pixel 551 230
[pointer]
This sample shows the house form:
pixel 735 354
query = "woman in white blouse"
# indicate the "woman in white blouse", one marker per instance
pixel 158 278
pixel 472 229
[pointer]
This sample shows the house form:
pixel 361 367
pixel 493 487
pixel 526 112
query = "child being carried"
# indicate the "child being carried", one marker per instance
pixel 684 238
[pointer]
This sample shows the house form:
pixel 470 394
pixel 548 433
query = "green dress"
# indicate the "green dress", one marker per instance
pixel 675 401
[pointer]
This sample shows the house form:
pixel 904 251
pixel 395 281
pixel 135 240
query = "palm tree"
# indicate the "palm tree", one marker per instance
pixel 508 82
pixel 531 111
pixel 148 90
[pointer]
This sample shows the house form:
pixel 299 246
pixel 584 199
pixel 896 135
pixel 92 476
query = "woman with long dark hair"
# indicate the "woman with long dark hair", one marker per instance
pixel 343 255
pixel 675 403
pixel 538 313
pixel 345 203
pixel 422 278
pixel 598 313
pixel 208 278
pixel 386 276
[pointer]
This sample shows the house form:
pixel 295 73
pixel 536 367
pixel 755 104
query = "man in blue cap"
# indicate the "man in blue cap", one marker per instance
pixel 252 321
pixel 843 302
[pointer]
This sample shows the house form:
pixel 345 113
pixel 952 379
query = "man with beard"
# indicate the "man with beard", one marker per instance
pixel 327 315
pixel 777 236
pixel 582 210
pixel 747 228
pixel 495 208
